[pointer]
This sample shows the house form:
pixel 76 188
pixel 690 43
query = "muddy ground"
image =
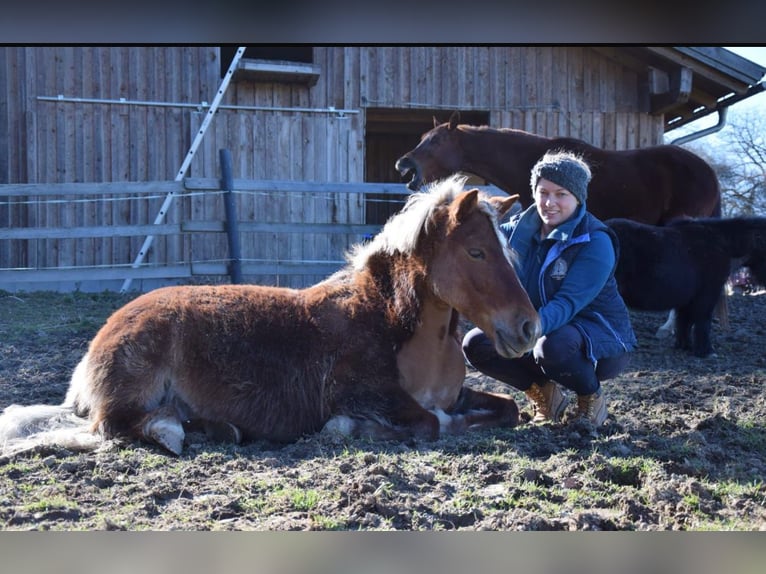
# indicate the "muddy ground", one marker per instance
pixel 684 448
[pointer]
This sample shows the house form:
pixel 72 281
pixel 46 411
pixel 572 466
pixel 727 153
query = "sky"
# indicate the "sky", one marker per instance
pixel 755 54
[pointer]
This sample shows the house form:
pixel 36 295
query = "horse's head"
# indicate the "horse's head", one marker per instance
pixel 435 157
pixel 470 270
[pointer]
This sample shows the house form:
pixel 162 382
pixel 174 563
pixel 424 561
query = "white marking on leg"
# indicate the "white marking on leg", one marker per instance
pixel 167 432
pixel 449 423
pixel 340 424
pixel 669 327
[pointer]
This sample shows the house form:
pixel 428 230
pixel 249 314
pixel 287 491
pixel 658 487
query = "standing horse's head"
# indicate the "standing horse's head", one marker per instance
pixel 435 157
pixel 470 270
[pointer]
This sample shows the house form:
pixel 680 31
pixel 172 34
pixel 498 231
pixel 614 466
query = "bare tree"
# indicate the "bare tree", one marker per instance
pixel 738 156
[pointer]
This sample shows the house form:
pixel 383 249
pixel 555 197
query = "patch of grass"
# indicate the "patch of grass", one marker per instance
pixel 255 505
pixel 467 500
pixel 754 490
pixel 54 502
pixel 322 522
pixel 304 500
pixel 153 461
pixel 16 469
pixel 692 501
pixel 750 436
pixel 578 497
pixel 626 471
pixel 37 314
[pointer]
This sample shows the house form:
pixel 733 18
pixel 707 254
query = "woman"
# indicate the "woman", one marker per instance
pixel 566 259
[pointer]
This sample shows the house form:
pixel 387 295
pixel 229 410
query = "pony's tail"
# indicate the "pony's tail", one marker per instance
pixel 24 428
pixel 721 310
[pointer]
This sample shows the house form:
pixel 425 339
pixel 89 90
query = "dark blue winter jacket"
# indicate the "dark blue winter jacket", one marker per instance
pixel 569 277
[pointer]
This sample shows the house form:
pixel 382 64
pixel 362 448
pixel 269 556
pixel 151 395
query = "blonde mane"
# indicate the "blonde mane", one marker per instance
pixel 401 231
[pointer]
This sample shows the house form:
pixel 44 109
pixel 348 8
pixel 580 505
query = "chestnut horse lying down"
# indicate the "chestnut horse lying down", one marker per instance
pixel 684 266
pixel 371 350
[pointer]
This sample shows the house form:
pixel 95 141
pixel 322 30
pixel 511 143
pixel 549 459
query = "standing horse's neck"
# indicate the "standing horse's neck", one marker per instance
pixel 431 362
pixel 496 154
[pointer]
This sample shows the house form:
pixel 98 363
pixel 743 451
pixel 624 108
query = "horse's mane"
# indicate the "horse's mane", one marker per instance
pixel 400 233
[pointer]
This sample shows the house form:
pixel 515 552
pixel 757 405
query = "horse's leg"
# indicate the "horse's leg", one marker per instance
pixel 479 409
pixel 164 427
pixel 683 329
pixel 702 346
pixel 702 319
pixel 668 327
pixel 218 431
pixel 393 415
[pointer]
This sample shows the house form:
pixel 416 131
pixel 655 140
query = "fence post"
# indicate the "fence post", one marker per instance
pixel 232 226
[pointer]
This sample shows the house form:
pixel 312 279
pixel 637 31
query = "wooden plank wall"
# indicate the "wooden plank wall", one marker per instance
pixel 552 90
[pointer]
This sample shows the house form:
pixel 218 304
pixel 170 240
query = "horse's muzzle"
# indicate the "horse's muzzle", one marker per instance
pixel 513 345
pixel 405 166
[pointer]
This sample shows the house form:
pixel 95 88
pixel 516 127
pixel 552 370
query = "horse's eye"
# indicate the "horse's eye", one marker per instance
pixel 476 253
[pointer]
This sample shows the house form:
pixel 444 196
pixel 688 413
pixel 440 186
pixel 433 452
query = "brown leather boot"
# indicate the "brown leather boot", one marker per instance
pixel 592 408
pixel 548 400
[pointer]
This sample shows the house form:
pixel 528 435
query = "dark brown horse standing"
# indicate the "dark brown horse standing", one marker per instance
pixel 651 185
pixel 371 350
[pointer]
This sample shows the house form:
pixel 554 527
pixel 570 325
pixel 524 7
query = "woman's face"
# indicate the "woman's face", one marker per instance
pixel 554 203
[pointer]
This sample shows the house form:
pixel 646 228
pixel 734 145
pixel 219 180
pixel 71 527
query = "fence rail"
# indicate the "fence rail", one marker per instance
pixel 94 277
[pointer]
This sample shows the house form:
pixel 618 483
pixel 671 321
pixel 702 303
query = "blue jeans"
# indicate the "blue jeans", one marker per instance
pixel 559 356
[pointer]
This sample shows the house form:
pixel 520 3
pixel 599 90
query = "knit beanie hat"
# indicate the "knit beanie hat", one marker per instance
pixel 565 169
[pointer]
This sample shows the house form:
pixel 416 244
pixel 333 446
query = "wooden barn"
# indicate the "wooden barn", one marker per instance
pixel 122 167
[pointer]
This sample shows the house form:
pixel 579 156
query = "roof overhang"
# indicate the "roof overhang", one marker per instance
pixel 685 83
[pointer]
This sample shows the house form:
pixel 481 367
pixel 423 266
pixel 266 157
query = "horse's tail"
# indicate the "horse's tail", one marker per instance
pixel 721 310
pixel 717 208
pixel 24 428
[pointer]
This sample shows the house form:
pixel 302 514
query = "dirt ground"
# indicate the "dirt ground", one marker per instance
pixel 684 448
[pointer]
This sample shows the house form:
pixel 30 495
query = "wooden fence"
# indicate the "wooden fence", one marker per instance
pixel 215 266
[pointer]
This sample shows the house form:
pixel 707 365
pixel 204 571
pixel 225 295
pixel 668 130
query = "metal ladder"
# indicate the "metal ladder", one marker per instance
pixel 187 160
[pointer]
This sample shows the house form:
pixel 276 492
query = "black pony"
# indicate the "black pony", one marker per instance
pixel 684 266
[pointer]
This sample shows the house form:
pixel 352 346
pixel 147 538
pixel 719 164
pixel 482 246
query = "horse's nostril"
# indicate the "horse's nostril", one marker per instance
pixel 404 164
pixel 530 329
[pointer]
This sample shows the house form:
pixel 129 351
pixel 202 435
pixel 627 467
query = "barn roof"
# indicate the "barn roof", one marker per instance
pixel 689 82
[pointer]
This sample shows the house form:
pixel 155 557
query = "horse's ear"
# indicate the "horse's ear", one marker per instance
pixel 464 204
pixel 454 120
pixel 502 204
pixel 436 122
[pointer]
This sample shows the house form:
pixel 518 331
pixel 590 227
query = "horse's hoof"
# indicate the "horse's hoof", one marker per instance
pixel 663 333
pixel 167 433
pixel 341 425
pixel 223 432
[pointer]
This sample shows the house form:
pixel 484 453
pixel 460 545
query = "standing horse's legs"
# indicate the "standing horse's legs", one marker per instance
pixel 693 331
pixel 702 346
pixel 702 319
pixel 700 315
pixel 479 409
pixel 683 328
